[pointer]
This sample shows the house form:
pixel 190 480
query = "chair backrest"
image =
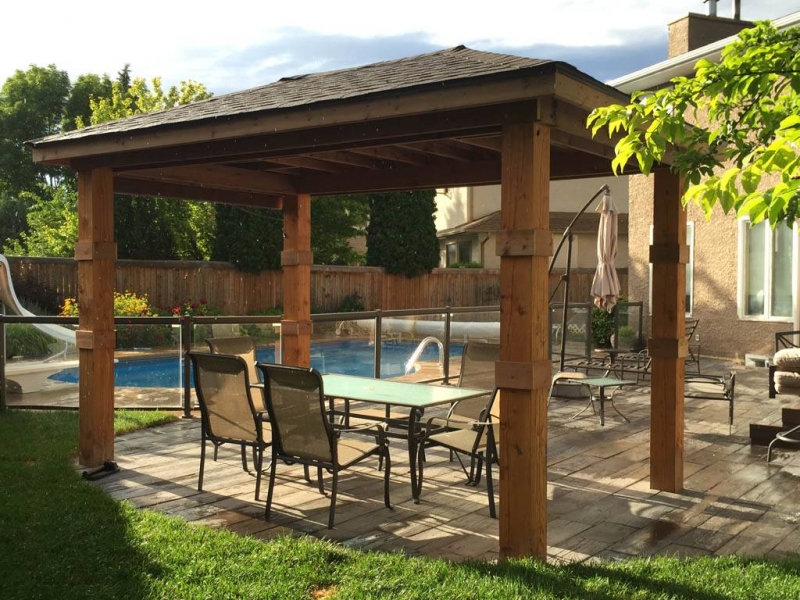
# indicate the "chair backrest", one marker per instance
pixel 242 345
pixel 563 386
pixel 489 413
pixel 477 372
pixel 690 327
pixel 222 385
pixel 296 405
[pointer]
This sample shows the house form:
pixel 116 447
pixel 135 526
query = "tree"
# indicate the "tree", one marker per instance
pixel 78 108
pixel 335 220
pixel 402 235
pixel 155 228
pixel 731 131
pixel 249 238
pixel 31 106
pixel 52 224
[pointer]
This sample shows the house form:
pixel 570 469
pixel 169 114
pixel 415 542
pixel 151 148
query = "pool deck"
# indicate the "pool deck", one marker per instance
pixel 600 506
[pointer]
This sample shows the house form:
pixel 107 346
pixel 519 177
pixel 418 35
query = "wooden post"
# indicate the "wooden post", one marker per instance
pixel 296 260
pixel 668 346
pixel 96 254
pixel 523 372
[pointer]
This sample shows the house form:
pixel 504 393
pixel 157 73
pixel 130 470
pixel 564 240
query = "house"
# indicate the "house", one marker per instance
pixel 468 220
pixel 741 280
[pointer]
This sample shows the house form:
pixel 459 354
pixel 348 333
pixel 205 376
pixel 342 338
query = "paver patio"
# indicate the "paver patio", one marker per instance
pixel 600 505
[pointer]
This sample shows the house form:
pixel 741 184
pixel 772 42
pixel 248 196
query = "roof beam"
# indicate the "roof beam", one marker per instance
pixel 443 149
pixel 219 177
pixel 141 187
pixel 432 125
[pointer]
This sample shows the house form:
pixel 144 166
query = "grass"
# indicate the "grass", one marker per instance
pixel 61 537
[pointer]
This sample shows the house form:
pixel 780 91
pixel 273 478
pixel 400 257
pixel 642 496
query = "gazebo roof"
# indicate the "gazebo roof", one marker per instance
pixel 433 120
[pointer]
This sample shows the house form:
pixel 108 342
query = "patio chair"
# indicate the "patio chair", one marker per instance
pixel 784 368
pixel 480 442
pixel 564 386
pixel 303 434
pixel 244 347
pixel 713 387
pixel 227 411
pixel 477 372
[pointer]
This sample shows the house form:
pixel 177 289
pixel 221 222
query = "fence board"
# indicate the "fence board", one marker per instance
pixel 48 281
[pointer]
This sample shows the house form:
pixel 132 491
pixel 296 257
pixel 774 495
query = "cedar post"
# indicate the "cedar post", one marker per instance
pixel 668 346
pixel 523 372
pixel 296 260
pixel 96 254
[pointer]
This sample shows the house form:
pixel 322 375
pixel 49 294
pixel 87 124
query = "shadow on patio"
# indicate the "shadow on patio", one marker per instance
pixel 600 505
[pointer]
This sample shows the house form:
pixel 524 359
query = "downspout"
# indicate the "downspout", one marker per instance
pixel 483 250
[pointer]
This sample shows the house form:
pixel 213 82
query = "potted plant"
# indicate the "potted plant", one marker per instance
pixel 627 337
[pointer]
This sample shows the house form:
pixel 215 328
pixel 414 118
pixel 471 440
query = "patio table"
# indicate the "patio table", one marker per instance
pixel 602 383
pixel 414 396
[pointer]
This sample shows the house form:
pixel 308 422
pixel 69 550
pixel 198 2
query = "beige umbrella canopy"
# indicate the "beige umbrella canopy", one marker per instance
pixel 605 286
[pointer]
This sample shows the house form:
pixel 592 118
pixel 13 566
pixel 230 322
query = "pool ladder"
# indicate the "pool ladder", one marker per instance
pixel 420 349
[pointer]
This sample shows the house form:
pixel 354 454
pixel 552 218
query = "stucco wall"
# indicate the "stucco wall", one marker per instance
pixel 452 207
pixel 721 331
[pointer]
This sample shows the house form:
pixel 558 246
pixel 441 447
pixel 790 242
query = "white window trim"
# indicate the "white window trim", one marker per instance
pixel 689 268
pixel 740 278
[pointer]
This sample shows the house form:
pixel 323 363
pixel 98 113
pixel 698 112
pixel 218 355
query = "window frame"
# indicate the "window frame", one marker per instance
pixel 741 274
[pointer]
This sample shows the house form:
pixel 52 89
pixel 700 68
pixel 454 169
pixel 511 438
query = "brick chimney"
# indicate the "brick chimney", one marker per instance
pixel 694 30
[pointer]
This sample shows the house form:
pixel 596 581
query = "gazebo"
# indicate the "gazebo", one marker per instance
pixel 457 117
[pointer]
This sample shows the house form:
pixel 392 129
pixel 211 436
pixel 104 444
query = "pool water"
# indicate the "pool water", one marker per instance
pixel 346 357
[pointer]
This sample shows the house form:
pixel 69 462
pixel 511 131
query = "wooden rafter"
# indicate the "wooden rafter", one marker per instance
pixel 219 177
pixel 142 187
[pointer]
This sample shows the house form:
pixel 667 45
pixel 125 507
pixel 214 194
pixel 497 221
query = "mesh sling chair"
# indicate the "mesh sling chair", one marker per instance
pixel 242 346
pixel 303 434
pixel 479 442
pixel 227 411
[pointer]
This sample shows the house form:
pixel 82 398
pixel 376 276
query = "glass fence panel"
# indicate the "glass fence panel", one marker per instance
pixel 630 327
pixel 148 368
pixel 576 337
pixel 346 347
pixel 479 326
pixel 412 347
pixel 39 365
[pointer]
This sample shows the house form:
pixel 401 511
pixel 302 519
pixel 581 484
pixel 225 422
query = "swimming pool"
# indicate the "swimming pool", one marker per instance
pixel 347 357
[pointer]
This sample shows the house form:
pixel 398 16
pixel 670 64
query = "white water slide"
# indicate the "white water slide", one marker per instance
pixel 9 298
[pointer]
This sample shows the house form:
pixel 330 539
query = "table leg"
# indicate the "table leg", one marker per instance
pixel 413 417
pixel 602 406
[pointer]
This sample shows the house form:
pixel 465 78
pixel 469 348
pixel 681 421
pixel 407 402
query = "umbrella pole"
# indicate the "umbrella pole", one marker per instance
pixel 567 236
pixel 564 306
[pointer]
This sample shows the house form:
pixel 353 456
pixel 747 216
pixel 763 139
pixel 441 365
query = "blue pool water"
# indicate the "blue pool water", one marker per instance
pixel 347 357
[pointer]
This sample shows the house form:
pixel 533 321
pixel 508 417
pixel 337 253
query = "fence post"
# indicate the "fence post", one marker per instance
pixel 446 357
pixel 377 349
pixel 187 326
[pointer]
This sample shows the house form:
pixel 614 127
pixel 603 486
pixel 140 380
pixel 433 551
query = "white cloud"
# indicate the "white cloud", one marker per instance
pixel 181 40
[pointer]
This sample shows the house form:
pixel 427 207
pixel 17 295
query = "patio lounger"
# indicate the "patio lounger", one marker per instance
pixel 713 387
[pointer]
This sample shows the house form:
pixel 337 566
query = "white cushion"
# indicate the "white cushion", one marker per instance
pixel 787 359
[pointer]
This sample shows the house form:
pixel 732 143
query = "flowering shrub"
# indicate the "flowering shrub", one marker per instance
pixel 194 308
pixel 129 304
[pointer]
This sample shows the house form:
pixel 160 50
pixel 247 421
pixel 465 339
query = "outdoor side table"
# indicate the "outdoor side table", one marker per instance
pixel 602 383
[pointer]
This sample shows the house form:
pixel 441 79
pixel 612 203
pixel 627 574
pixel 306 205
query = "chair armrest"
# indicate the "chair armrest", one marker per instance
pixel 378 427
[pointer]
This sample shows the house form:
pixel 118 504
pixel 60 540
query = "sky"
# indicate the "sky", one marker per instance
pixel 231 45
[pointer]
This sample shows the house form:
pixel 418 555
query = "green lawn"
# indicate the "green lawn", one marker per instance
pixel 61 537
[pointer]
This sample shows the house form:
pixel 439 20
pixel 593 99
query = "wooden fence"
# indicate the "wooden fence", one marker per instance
pixel 48 281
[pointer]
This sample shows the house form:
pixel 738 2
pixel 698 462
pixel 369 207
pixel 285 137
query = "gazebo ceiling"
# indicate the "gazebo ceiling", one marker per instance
pixel 433 120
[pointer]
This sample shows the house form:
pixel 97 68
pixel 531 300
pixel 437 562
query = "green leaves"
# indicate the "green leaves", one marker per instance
pixel 725 128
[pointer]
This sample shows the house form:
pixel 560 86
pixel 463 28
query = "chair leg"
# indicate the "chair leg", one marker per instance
pixel 489 484
pixel 420 468
pixel 386 475
pixel 216 449
pixel 333 497
pixel 272 468
pixel 306 474
pixel 244 459
pixel 478 471
pixel 769 450
pixel 202 462
pixel 319 481
pixel 259 462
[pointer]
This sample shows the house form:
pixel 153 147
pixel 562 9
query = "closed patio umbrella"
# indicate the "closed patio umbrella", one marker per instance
pixel 605 286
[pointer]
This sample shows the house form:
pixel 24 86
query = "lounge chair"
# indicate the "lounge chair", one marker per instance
pixel 713 387
pixel 303 434
pixel 227 411
pixel 479 442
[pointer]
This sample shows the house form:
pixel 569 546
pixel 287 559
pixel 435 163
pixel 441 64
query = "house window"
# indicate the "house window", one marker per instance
pixel 766 271
pixel 459 252
pixel 689 271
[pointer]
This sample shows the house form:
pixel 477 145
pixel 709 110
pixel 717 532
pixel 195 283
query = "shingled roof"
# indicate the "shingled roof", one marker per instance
pixel 559 221
pixel 424 71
